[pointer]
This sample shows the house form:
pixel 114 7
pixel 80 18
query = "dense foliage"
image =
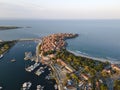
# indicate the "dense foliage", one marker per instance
pixel 117 85
pixel 4 46
pixel 76 62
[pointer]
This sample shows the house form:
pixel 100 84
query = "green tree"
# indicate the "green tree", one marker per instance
pixel 103 87
pixel 117 85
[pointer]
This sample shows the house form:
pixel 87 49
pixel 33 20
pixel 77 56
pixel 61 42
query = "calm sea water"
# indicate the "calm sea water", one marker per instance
pixel 97 38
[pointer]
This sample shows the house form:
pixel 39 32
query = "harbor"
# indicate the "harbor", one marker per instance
pixel 13 69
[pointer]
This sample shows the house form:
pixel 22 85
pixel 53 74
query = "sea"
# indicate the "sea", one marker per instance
pixel 97 38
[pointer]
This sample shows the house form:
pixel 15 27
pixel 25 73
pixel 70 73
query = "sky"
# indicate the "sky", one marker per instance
pixel 59 9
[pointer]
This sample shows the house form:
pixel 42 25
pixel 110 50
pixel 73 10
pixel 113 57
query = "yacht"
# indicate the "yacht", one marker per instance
pixel 55 86
pixel 39 71
pixel 1 88
pixel 26 85
pixel 13 60
pixel 39 87
pixel 1 56
pixel 32 67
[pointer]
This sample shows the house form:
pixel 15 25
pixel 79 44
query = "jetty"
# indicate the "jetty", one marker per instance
pixel 32 67
pixel 39 71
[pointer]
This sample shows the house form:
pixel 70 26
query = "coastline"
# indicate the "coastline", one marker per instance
pixel 93 58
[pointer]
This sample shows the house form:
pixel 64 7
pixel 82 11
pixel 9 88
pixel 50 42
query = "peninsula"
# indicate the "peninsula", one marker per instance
pixel 5 46
pixel 76 72
pixel 55 41
pixel 8 27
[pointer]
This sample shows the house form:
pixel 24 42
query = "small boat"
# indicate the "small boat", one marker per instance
pixel 55 86
pixel 13 60
pixel 49 69
pixel 1 88
pixel 39 87
pixel 39 71
pixel 1 56
pixel 26 85
pixel 47 77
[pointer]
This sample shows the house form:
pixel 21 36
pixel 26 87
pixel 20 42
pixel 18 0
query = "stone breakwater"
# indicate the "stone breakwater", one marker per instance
pixel 55 41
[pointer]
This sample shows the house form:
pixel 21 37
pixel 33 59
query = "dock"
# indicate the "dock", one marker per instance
pixel 32 67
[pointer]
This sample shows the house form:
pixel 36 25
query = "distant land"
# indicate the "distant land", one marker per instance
pixel 9 27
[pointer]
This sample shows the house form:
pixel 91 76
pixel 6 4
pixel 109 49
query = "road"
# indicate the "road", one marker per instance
pixel 58 75
pixel 37 52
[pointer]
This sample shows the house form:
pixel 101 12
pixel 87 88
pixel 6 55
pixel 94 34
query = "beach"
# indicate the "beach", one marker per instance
pixel 94 58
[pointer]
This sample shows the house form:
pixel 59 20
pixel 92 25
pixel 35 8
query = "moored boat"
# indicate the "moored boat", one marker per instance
pixel 1 56
pixel 1 88
pixel 26 86
pixel 39 87
pixel 13 60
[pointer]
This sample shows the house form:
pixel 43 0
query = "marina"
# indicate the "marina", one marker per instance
pixel 18 74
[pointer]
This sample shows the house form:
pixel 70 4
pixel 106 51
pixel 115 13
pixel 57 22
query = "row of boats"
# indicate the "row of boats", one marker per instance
pixel 39 71
pixel 32 67
pixel 27 86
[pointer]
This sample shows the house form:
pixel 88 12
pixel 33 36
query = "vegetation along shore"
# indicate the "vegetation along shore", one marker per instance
pixel 5 46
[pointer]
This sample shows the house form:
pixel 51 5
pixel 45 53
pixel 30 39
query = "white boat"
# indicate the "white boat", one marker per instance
pixel 32 67
pixel 55 86
pixel 26 85
pixel 49 69
pixel 13 60
pixel 1 88
pixel 39 87
pixel 39 71
pixel 1 56
pixel 47 77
